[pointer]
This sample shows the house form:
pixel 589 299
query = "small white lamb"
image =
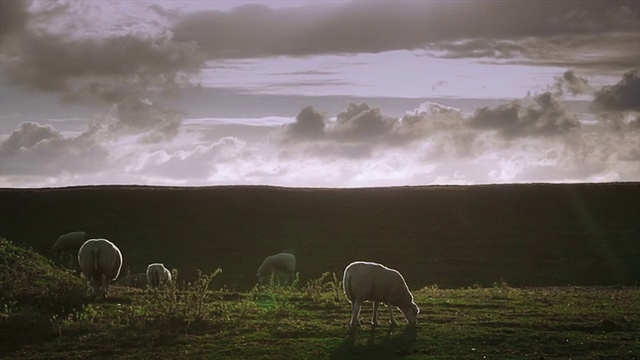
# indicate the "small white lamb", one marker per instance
pixel 375 282
pixel 158 275
pixel 282 262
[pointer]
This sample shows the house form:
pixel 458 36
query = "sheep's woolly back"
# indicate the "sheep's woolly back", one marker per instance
pixel 372 281
pixel 70 241
pixel 100 256
pixel 278 262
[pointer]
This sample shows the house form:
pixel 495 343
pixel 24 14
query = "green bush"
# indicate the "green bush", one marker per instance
pixel 168 305
pixel 275 298
pixel 327 289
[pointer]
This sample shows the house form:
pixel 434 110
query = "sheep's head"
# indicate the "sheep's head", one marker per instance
pixel 57 250
pixel 411 313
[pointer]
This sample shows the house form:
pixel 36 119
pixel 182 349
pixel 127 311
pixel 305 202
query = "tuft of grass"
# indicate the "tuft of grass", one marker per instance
pixel 326 289
pixel 276 299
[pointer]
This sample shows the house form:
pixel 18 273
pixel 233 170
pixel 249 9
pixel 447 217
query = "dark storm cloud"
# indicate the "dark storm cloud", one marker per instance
pixel 309 125
pixel 360 121
pixel 544 117
pixel 116 69
pixel 136 115
pixel 613 52
pixel 360 128
pixel 571 83
pixel 483 29
pixel 13 17
pixel 623 96
pixel 110 68
pixel 33 149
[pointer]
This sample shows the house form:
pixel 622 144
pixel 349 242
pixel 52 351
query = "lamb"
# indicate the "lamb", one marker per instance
pixel 134 280
pixel 375 282
pixel 69 242
pixel 282 262
pixel 158 275
pixel 100 261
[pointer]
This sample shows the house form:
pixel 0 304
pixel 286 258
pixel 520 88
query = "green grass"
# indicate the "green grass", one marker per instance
pixel 275 322
pixel 455 324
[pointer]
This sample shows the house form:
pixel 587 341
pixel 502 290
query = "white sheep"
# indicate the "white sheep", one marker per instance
pixel 134 280
pixel 69 242
pixel 375 282
pixel 282 262
pixel 158 275
pixel 100 261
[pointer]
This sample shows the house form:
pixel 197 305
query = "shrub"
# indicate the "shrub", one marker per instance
pixel 326 288
pixel 170 306
pixel 275 298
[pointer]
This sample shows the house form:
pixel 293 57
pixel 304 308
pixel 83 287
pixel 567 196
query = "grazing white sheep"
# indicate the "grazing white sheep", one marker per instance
pixel 282 262
pixel 69 242
pixel 375 282
pixel 158 275
pixel 100 261
pixel 133 280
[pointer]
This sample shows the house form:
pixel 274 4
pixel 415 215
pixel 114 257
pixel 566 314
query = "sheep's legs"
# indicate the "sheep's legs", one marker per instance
pixel 355 305
pixel 374 317
pixel 95 282
pixel 105 286
pixel 393 318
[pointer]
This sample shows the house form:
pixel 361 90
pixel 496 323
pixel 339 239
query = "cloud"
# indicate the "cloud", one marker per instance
pixel 13 18
pixel 530 32
pixel 571 83
pixel 623 96
pixel 34 149
pixel 109 69
pixel 309 125
pixel 116 68
pixel 360 121
pixel 136 115
pixel 198 163
pixel 543 117
pixel 360 127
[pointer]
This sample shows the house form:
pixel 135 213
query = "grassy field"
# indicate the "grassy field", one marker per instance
pixel 500 272
pixel 495 323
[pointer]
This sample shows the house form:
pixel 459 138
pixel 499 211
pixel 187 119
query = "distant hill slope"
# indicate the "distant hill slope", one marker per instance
pixel 538 234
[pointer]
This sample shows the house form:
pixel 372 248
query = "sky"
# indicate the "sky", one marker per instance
pixel 318 93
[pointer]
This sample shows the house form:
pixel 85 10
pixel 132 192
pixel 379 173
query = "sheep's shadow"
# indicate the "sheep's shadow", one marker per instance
pixel 375 343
